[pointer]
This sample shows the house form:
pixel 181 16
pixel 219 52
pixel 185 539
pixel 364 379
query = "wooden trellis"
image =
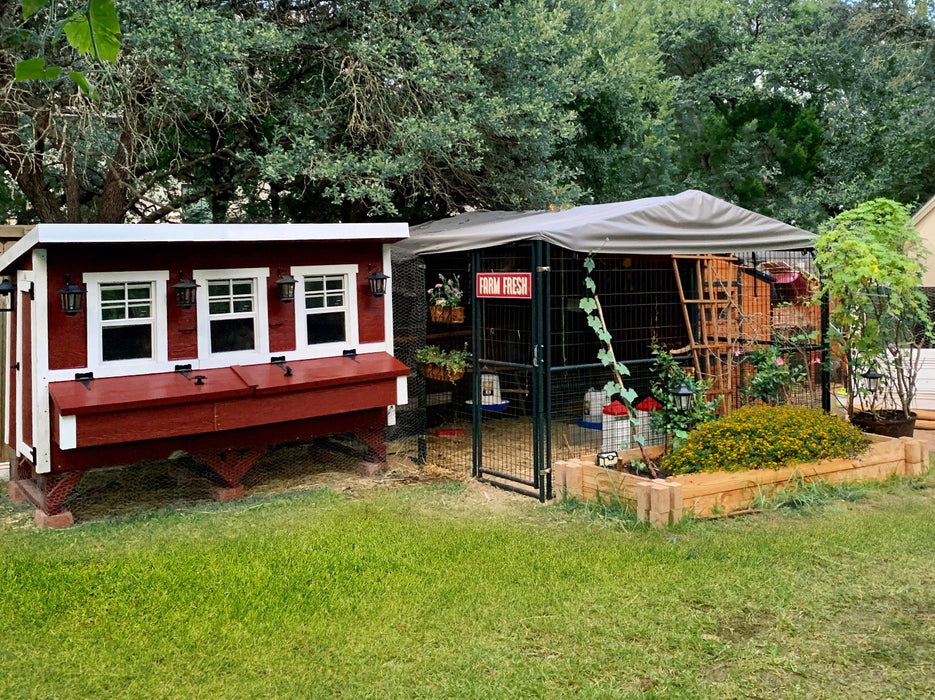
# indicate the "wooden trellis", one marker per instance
pixel 729 309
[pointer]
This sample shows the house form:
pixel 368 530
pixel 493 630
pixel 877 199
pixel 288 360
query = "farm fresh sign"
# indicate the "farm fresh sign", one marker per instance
pixel 503 285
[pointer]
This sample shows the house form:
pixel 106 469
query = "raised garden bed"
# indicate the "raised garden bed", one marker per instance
pixel 664 501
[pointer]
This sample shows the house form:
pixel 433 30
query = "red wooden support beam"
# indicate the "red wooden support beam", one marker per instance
pixel 47 492
pixel 231 465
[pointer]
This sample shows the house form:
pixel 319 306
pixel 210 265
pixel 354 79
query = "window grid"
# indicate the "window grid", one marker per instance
pixel 231 298
pixel 126 303
pixel 325 293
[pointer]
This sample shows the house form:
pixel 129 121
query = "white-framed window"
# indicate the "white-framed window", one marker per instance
pixel 232 314
pixel 126 319
pixel 326 309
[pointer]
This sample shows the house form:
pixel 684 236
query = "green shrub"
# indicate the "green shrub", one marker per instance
pixel 765 437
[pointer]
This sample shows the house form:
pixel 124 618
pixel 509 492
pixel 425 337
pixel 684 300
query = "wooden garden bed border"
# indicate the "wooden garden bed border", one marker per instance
pixel 663 502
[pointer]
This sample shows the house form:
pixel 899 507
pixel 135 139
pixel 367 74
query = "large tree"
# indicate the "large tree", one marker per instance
pixel 799 109
pixel 293 110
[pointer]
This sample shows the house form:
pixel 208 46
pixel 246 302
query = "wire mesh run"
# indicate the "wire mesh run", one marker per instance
pixel 711 312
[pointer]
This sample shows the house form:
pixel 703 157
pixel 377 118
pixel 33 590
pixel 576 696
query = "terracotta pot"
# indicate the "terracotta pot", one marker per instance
pixel 440 374
pixel 890 423
pixel 447 314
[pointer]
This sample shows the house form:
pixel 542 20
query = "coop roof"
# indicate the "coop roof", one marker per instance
pixel 198 233
pixel 690 222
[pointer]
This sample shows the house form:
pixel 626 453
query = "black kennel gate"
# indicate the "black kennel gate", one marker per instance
pixel 510 346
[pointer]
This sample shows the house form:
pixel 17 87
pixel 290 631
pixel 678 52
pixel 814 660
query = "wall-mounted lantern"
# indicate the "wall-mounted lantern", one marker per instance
pixel 286 286
pixel 683 397
pixel 6 290
pixel 873 380
pixel 377 282
pixel 72 297
pixel 185 292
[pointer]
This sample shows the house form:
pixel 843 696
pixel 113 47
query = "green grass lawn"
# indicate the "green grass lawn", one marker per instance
pixel 432 591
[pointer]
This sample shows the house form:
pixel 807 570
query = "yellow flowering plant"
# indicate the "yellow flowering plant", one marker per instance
pixel 765 437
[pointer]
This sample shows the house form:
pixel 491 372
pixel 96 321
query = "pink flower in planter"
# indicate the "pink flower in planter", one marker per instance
pixel 816 361
pixel 780 361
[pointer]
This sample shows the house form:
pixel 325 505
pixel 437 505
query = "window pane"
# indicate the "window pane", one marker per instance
pixel 336 300
pixel 243 305
pixel 336 283
pixel 112 292
pixel 314 303
pixel 219 307
pixel 314 284
pixel 325 328
pixel 127 342
pixel 113 313
pixel 229 335
pixel 138 291
pixel 139 311
pixel 243 287
pixel 219 288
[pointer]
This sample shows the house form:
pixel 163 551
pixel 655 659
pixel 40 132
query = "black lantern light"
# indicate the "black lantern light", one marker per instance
pixel 72 297
pixel 377 282
pixel 683 396
pixel 286 286
pixel 873 380
pixel 6 290
pixel 185 292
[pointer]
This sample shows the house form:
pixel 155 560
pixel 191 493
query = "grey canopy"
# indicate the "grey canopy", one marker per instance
pixel 686 223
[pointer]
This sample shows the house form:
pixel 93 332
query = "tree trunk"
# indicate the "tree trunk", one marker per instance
pixel 114 203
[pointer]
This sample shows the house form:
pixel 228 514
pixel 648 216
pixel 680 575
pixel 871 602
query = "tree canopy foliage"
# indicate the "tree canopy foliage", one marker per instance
pixel 801 108
pixel 289 110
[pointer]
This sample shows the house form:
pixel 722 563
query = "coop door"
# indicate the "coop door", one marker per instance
pixel 510 423
pixel 25 415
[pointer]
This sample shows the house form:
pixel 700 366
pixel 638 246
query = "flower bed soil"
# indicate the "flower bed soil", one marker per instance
pixel 664 501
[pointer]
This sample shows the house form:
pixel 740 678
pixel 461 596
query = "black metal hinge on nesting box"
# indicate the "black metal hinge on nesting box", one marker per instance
pixel 85 378
pixel 280 361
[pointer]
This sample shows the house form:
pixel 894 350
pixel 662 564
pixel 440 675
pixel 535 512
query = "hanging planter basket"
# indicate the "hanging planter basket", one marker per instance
pixel 440 374
pixel 447 314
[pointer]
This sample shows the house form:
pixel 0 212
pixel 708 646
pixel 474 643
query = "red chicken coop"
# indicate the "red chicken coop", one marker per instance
pixel 132 342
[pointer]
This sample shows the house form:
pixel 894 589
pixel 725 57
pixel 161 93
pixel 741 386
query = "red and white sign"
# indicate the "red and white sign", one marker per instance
pixel 503 285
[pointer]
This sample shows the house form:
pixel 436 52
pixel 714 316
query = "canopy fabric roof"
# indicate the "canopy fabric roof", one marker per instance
pixel 686 223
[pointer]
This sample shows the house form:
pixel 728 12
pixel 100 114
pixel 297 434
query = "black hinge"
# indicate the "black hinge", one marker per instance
pixel 35 456
pixel 15 366
pixel 32 291
pixel 85 378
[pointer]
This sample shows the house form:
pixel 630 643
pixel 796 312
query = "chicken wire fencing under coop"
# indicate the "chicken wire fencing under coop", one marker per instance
pixel 535 367
pixel 338 462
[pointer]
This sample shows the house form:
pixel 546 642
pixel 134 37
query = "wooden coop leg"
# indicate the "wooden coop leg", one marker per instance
pixel 47 492
pixel 376 448
pixel 231 465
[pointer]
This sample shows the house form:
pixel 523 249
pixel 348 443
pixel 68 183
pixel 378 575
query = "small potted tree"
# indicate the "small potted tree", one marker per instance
pixel 871 261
